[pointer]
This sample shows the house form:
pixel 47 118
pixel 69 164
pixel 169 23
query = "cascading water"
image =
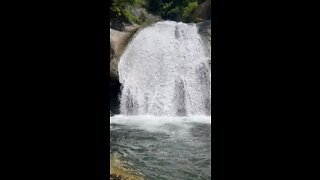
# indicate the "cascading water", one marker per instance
pixel 164 71
pixel 164 129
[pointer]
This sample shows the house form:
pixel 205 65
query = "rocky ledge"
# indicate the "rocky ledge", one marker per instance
pixel 118 42
pixel 119 172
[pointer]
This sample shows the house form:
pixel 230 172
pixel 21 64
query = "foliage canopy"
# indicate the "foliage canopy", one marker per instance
pixel 177 10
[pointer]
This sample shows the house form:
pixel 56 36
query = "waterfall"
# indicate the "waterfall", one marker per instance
pixel 164 71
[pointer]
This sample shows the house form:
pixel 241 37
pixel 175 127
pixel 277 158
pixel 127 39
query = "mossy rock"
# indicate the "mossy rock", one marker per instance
pixel 118 171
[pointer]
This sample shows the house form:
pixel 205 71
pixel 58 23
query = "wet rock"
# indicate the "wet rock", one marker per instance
pixel 119 172
pixel 118 42
pixel 205 33
pixel 203 11
pixel 117 24
pixel 114 97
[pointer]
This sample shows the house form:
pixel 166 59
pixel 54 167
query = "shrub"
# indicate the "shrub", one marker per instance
pixel 122 8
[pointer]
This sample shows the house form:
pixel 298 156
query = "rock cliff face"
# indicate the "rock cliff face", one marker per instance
pixel 203 11
pixel 118 42
pixel 205 32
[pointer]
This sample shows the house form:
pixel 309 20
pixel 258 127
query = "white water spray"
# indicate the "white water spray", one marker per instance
pixel 165 72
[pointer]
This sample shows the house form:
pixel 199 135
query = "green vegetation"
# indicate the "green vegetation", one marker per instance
pixel 122 8
pixel 177 10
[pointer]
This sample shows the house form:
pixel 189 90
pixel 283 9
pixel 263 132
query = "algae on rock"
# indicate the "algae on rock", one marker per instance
pixel 118 171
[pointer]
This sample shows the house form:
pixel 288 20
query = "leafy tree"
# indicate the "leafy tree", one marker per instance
pixel 177 10
pixel 122 8
pixel 154 5
pixel 188 15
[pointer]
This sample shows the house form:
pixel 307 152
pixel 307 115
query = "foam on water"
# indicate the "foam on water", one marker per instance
pixel 164 71
pixel 159 124
pixel 163 147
